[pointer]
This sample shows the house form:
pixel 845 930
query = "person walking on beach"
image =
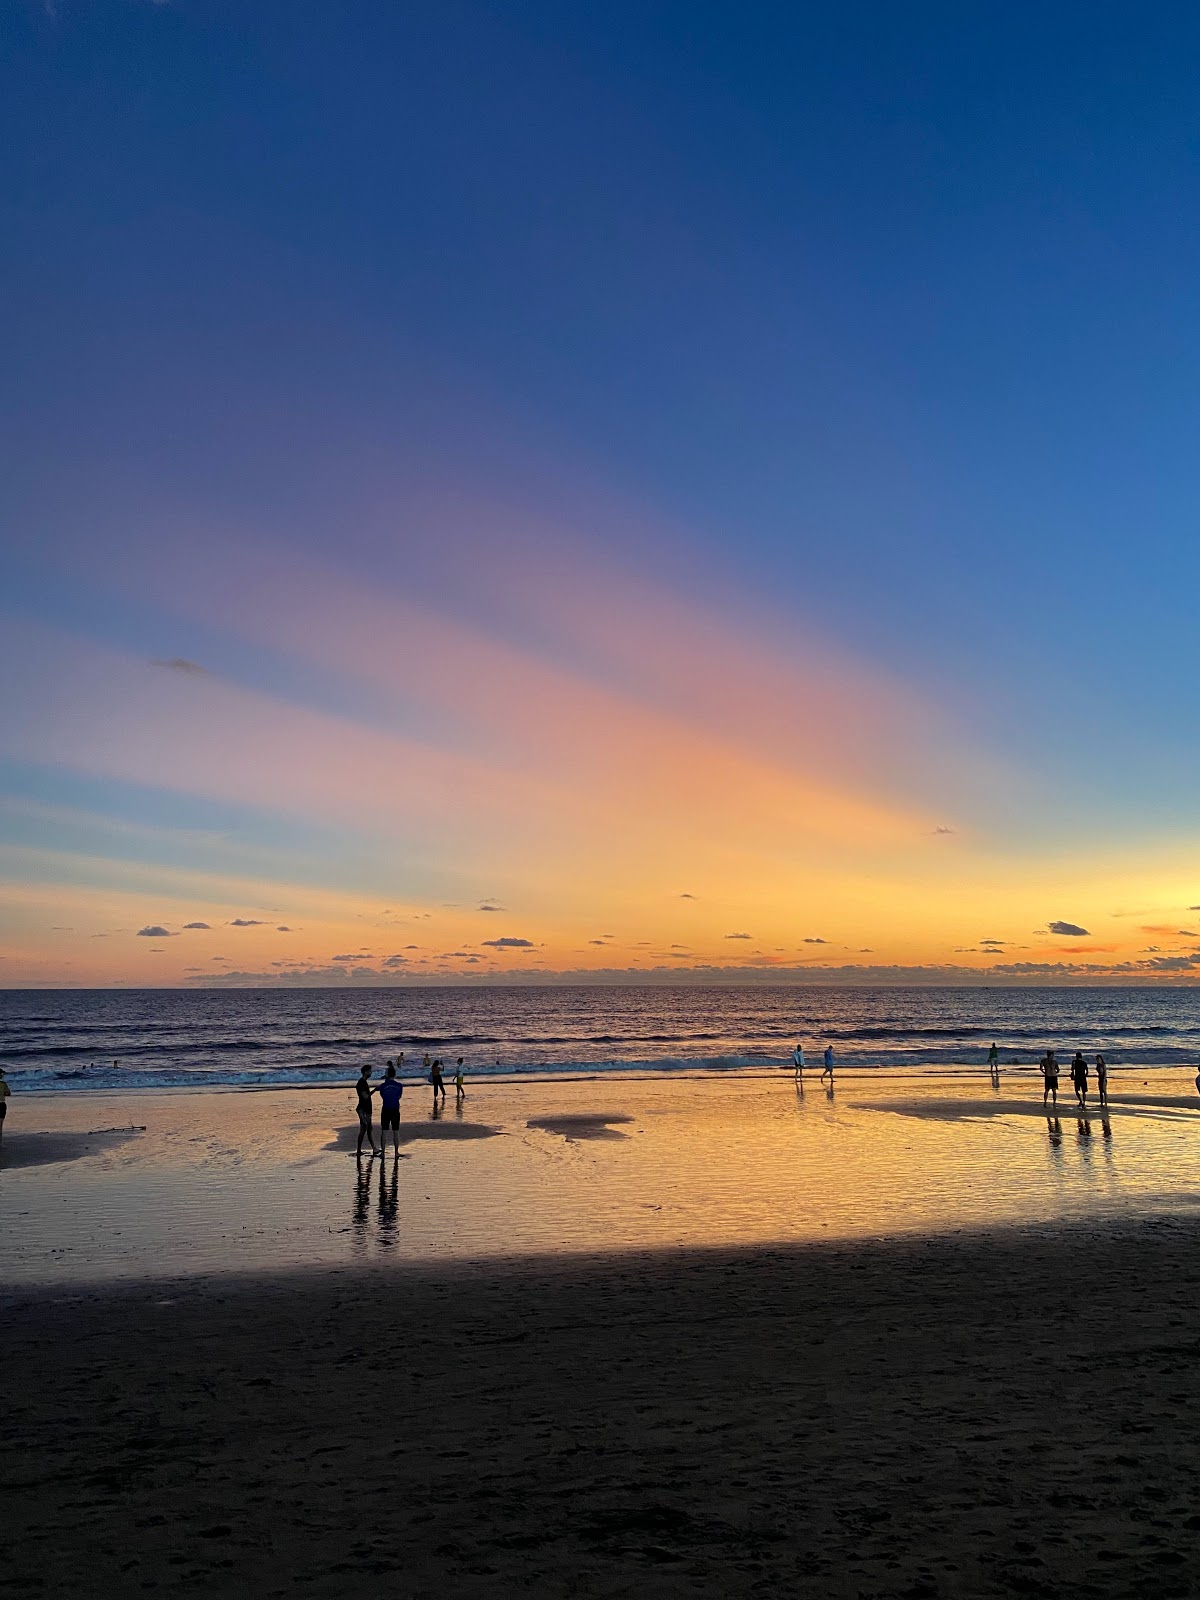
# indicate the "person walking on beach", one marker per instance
pixel 798 1060
pixel 1050 1077
pixel 5 1091
pixel 1102 1079
pixel 827 1071
pixel 364 1091
pixel 1079 1077
pixel 994 1062
pixel 460 1092
pixel 435 1078
pixel 390 1092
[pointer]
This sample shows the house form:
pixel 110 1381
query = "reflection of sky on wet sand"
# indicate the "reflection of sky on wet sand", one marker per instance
pixel 268 1181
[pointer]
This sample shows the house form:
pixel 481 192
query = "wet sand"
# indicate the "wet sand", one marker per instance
pixel 1005 1413
pixel 207 1184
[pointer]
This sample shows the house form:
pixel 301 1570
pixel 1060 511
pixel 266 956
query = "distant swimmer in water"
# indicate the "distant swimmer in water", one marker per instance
pixel 435 1078
pixel 1050 1077
pixel 827 1071
pixel 1102 1079
pixel 365 1111
pixel 5 1091
pixel 460 1088
pixel 1079 1077
pixel 390 1092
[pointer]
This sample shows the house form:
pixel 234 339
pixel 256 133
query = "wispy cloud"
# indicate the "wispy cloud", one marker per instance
pixel 182 664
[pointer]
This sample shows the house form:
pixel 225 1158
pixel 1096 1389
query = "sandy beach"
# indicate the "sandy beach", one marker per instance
pixel 604 1339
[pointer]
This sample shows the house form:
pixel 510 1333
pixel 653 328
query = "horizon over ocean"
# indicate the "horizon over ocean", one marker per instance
pixel 67 1039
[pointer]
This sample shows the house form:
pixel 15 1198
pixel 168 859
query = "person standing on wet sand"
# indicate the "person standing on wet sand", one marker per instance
pixel 364 1091
pixel 827 1071
pixel 460 1092
pixel 5 1091
pixel 994 1062
pixel 1050 1077
pixel 1102 1079
pixel 390 1092
pixel 798 1060
pixel 1079 1077
pixel 435 1077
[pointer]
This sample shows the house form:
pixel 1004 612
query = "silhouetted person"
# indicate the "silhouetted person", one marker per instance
pixel 1102 1079
pixel 435 1077
pixel 5 1091
pixel 827 1070
pixel 798 1061
pixel 1050 1077
pixel 994 1062
pixel 365 1111
pixel 1079 1077
pixel 460 1090
pixel 390 1092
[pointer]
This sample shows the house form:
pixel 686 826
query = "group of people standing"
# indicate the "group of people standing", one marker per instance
pixel 1080 1078
pixel 391 1092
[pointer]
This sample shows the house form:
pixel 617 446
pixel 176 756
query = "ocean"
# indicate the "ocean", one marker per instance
pixel 69 1040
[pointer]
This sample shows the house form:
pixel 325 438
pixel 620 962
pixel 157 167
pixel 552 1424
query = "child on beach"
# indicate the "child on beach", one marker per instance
pixel 460 1092
pixel 798 1060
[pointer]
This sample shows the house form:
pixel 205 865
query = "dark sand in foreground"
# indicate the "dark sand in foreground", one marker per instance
pixel 1006 1414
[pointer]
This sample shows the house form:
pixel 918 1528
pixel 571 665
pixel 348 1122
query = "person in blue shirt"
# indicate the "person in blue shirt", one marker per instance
pixel 390 1092
pixel 828 1072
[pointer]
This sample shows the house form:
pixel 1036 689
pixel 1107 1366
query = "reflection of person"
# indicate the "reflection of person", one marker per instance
pixel 1050 1077
pixel 390 1092
pixel 364 1092
pixel 1102 1079
pixel 798 1060
pixel 5 1091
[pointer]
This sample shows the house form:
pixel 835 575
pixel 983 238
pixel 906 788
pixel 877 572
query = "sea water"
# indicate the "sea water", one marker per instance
pixel 70 1040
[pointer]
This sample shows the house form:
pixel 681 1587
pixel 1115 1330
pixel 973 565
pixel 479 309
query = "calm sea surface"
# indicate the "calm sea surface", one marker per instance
pixel 167 1038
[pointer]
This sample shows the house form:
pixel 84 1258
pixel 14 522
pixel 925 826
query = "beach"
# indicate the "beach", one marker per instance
pixel 600 1338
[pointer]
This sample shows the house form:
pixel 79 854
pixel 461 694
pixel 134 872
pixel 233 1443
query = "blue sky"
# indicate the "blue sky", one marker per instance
pixel 870 333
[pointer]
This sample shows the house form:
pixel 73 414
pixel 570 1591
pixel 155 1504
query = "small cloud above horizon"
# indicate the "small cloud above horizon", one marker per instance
pixel 510 944
pixel 190 925
pixel 739 936
pixel 246 922
pixel 941 829
pixel 816 941
pixel 192 669
pixel 154 931
pixel 490 905
pixel 1069 930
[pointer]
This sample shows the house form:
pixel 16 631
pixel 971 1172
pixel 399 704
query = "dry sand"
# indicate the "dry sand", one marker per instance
pixel 1007 1413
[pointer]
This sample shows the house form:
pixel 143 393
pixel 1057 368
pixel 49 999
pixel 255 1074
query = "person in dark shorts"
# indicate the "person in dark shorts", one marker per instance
pixel 435 1078
pixel 1050 1077
pixel 365 1115
pixel 1079 1077
pixel 5 1091
pixel 389 1092
pixel 1102 1079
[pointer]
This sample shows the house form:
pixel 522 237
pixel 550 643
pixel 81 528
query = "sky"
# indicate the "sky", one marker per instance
pixel 517 492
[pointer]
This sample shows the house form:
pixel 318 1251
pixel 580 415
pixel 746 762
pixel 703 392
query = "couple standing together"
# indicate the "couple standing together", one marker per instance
pixel 390 1093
